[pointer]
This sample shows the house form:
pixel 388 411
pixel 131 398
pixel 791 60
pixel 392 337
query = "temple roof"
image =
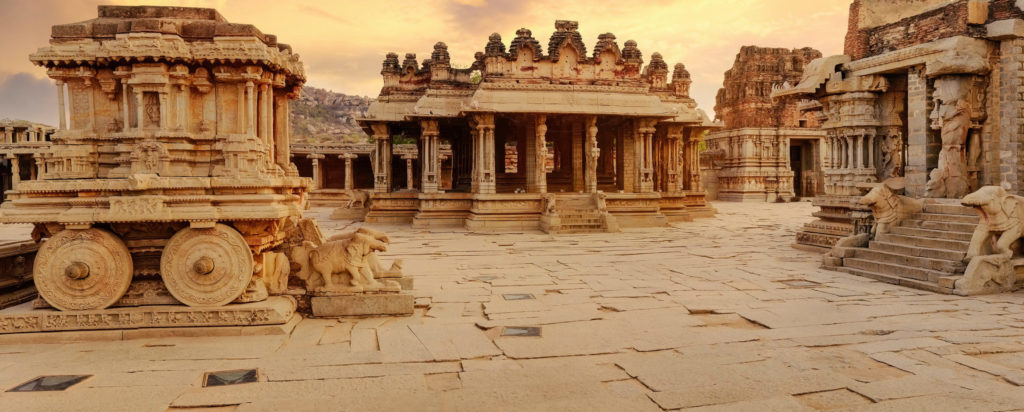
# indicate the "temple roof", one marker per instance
pixel 607 81
pixel 164 34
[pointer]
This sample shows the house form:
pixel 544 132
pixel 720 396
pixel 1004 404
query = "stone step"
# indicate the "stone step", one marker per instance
pixel 945 217
pixel 923 242
pixel 581 230
pixel 893 269
pixel 954 255
pixel 949 209
pixel 939 225
pixel 934 234
pixel 899 280
pixel 938 265
pixel 582 221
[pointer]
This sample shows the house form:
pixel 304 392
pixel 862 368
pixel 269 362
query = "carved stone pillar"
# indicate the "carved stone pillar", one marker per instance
pixel 60 105
pixel 677 157
pixel 262 101
pixel 163 110
pixel 139 107
pixel 646 155
pixel 318 173
pixel 871 152
pixel 541 151
pixel 9 135
pixel 593 153
pixel 182 118
pixel 349 179
pixel 409 183
pixel 381 158
pixel 430 161
pixel 15 172
pixel 483 153
pixel 250 112
pixel 240 119
pixel 127 121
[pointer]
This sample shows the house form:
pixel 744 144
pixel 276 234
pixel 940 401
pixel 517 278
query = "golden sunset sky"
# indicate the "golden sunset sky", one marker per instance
pixel 343 42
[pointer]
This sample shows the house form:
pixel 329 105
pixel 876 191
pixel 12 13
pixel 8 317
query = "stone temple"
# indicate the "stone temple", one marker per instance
pixel 171 226
pixel 924 104
pixel 766 152
pixel 561 138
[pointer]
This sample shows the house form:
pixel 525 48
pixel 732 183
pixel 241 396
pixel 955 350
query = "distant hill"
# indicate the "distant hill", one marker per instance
pixel 324 116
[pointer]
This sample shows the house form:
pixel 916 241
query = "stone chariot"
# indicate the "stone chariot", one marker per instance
pixel 170 170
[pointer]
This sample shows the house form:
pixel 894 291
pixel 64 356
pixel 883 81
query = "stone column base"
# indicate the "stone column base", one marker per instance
pixel 270 317
pixel 363 304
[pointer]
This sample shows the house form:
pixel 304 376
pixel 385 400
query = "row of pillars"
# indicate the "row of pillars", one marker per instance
pixel 850 152
pixel 483 167
pixel 318 175
pixel 10 136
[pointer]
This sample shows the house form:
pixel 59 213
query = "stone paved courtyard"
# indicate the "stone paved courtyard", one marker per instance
pixel 719 314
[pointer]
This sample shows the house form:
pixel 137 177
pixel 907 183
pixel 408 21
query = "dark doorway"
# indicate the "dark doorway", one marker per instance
pixel 797 164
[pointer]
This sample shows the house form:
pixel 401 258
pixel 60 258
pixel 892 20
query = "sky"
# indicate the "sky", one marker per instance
pixel 344 42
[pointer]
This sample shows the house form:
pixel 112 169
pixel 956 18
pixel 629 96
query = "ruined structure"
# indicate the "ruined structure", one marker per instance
pixel 928 91
pixel 169 178
pixel 623 137
pixel 766 152
pixel 21 143
pixel 339 169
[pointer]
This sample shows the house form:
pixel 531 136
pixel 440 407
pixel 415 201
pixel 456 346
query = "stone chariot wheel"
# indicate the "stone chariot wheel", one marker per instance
pixel 83 269
pixel 206 267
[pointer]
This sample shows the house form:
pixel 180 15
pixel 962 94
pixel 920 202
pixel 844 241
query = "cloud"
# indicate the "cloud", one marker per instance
pixel 26 97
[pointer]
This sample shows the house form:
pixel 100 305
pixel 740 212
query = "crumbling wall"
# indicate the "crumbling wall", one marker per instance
pixel 745 101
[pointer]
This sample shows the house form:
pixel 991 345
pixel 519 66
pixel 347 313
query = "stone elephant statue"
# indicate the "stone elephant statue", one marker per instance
pixel 992 244
pixel 888 207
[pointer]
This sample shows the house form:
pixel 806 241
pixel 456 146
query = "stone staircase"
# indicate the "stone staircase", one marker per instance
pixel 924 251
pixel 578 214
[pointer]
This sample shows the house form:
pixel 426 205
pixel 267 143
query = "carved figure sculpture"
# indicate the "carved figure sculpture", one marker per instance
pixel 892 155
pixel 358 199
pixel 888 207
pixel 1002 220
pixel 952 116
pixel 375 266
pixel 549 204
pixel 346 259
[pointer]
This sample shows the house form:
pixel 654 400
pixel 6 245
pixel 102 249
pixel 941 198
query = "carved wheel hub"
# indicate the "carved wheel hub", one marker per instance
pixel 206 267
pixel 83 269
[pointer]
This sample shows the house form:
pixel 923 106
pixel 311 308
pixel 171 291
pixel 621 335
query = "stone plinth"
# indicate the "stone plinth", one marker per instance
pixel 277 310
pixel 344 213
pixel 363 305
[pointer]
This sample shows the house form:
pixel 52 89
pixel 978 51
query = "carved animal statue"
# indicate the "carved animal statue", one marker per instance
pixel 1001 217
pixel 358 199
pixel 375 266
pixel 990 269
pixel 549 204
pixel 888 207
pixel 348 259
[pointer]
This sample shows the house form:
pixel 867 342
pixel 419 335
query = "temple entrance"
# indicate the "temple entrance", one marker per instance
pixel 796 164
pixel 457 171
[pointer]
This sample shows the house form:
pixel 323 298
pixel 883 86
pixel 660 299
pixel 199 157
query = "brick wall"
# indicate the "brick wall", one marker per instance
pixel 922 155
pixel 926 27
pixel 1011 113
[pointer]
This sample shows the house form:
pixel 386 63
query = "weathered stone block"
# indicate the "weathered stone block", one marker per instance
pixel 363 304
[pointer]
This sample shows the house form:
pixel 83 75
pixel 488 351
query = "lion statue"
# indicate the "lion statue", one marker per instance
pixel 989 267
pixel 889 208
